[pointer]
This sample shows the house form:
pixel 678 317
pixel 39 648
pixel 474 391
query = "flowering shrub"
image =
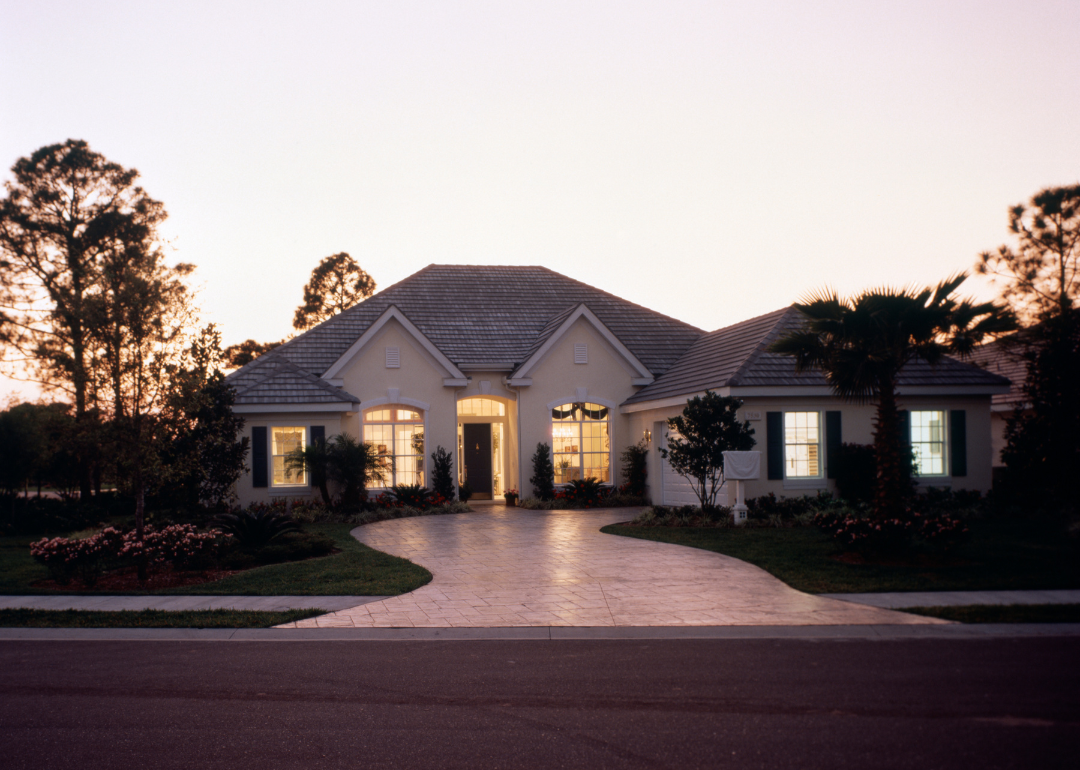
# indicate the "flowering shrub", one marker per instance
pixel 583 493
pixel 87 558
pixel 857 528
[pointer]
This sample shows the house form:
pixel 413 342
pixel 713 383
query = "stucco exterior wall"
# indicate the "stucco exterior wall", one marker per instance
pixel 605 379
pixel 246 493
pixel 856 428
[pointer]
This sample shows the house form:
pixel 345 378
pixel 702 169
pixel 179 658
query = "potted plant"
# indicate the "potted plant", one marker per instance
pixel 511 496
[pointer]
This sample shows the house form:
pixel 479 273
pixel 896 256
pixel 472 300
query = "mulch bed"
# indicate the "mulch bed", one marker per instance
pixel 128 580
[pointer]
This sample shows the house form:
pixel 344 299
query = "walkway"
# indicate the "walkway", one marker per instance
pixel 511 567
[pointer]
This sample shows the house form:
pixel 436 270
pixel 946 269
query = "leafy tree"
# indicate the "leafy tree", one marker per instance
pixel 442 473
pixel 34 441
pixel 67 211
pixel 862 343
pixel 543 478
pixel 1042 452
pixel 635 468
pixel 336 284
pixel 1040 273
pixel 245 352
pixel 707 428
pixel 206 452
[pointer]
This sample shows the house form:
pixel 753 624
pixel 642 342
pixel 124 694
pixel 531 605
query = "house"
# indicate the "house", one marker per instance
pixel 1005 358
pixel 489 362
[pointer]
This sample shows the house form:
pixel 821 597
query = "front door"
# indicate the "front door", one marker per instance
pixel 477 458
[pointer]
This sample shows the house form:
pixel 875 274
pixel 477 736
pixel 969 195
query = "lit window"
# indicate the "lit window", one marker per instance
pixel 283 441
pixel 481 407
pixel 802 445
pixel 397 433
pixel 581 442
pixel 928 442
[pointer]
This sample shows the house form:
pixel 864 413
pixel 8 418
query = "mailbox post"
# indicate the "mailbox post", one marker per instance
pixel 739 467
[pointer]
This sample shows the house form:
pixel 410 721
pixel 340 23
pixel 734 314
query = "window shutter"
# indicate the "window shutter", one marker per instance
pixel 393 358
pixel 259 466
pixel 774 444
pixel 581 353
pixel 958 441
pixel 833 439
pixel 318 433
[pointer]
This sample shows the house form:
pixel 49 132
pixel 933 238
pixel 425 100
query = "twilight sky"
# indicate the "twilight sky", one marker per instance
pixel 710 160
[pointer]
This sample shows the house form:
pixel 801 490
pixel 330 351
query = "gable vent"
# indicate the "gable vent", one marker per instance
pixel 581 353
pixel 393 358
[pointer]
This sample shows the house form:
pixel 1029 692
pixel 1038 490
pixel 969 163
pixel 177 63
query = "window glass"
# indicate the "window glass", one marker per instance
pixel 282 442
pixel 481 407
pixel 802 445
pixel 581 442
pixel 928 442
pixel 397 434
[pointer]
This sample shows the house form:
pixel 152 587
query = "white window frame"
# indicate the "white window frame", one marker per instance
pixel 581 442
pixel 945 471
pixel 820 444
pixel 393 422
pixel 302 474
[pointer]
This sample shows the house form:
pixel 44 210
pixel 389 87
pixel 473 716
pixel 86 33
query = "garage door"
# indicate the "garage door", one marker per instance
pixel 676 490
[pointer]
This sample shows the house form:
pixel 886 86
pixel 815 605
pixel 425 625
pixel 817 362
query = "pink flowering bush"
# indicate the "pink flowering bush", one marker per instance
pixel 856 528
pixel 87 558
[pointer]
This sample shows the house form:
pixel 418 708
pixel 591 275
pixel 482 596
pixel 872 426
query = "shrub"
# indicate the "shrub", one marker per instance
pixel 582 493
pixel 411 495
pixel 543 478
pixel 464 491
pixel 855 470
pixel 256 526
pixel 635 469
pixel 442 477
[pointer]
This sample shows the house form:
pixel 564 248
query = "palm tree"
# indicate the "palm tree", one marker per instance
pixel 315 459
pixel 861 344
pixel 344 460
pixel 355 465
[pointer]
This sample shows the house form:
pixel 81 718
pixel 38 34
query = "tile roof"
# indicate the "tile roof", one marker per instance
pixel 273 379
pixel 1004 357
pixel 738 356
pixel 482 314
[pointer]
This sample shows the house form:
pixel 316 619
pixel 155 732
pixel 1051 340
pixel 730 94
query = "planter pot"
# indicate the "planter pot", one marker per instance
pixel 511 500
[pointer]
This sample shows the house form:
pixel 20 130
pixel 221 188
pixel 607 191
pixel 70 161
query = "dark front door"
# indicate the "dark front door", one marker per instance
pixel 477 458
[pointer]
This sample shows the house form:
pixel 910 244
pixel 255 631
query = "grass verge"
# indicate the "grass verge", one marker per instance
pixel 356 571
pixel 1003 613
pixel 1000 555
pixel 151 618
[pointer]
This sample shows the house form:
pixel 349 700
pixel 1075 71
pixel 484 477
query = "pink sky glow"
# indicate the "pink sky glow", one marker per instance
pixel 710 160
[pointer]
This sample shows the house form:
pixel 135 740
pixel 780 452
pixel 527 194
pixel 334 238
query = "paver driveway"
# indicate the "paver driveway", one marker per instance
pixel 512 567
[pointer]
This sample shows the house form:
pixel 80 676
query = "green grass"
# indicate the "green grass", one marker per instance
pixel 151 618
pixel 1004 613
pixel 356 571
pixel 1001 554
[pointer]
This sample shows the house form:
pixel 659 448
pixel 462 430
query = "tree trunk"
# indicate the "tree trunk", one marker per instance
pixel 140 520
pixel 889 488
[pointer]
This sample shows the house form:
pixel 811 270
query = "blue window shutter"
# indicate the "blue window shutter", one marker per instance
pixel 833 439
pixel 318 433
pixel 958 441
pixel 259 466
pixel 774 442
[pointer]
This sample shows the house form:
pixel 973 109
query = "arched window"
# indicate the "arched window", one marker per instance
pixel 581 442
pixel 398 432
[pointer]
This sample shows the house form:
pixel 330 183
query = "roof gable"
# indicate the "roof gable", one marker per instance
pixel 480 314
pixel 560 324
pixel 273 379
pixel 738 356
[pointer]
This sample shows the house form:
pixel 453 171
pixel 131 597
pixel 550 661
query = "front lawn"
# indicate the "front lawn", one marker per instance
pixel 151 618
pixel 355 571
pixel 1001 554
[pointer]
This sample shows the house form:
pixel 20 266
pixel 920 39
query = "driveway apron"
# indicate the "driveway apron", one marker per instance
pixel 513 567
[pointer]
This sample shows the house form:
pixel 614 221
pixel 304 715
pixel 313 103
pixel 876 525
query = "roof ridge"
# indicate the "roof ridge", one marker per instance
pixel 766 338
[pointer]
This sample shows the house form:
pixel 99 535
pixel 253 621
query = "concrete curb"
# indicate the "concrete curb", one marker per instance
pixel 548 633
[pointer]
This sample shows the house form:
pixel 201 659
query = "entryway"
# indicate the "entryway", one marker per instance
pixel 476 459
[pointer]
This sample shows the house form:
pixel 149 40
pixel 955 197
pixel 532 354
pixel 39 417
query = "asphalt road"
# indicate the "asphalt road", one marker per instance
pixel 995 703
